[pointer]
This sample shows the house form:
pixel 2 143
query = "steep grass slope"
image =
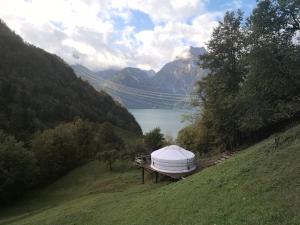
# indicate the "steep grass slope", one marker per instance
pixel 260 185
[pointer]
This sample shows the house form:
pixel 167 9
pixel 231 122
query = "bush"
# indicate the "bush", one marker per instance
pixel 135 148
pixel 18 168
pixel 194 138
pixel 154 139
pixel 111 145
pixel 64 147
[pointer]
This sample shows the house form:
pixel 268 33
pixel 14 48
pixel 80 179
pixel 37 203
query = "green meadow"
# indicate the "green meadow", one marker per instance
pixel 259 185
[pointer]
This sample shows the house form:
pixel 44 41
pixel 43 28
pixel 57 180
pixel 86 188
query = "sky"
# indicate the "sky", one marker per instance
pixel 103 34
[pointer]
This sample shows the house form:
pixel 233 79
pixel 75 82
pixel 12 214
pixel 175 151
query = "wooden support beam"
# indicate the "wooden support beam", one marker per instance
pixel 156 177
pixel 143 175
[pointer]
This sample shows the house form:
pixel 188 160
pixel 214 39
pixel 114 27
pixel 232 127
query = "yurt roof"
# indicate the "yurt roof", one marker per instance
pixel 172 152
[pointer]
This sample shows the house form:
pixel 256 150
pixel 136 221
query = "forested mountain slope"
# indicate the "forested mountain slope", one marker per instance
pixel 38 90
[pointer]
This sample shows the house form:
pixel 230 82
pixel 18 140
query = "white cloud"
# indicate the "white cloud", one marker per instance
pixel 84 31
pixel 165 10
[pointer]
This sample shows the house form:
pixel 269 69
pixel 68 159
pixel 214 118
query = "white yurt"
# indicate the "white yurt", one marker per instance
pixel 173 159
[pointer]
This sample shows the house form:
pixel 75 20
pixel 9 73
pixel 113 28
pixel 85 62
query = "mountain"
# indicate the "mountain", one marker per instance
pixel 128 85
pixel 39 90
pixel 106 74
pixel 132 77
pixel 180 75
pixel 136 88
pixel 102 74
pixel 84 74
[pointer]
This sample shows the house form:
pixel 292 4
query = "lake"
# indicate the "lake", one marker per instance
pixel 169 121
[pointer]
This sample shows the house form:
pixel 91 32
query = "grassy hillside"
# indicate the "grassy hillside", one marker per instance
pixel 260 185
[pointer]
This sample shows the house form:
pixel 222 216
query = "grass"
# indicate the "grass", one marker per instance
pixel 260 185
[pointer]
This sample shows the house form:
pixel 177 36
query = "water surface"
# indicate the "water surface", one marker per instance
pixel 169 121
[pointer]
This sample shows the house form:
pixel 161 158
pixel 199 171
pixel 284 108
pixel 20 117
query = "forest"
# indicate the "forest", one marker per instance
pixel 253 87
pixel 38 90
pixel 50 120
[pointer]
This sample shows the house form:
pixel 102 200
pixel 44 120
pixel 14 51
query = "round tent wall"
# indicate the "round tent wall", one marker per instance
pixel 173 159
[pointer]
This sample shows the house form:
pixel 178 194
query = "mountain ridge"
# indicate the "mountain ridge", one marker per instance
pixel 136 88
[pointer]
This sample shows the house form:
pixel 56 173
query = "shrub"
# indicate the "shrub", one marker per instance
pixel 64 147
pixel 154 139
pixel 194 138
pixel 18 168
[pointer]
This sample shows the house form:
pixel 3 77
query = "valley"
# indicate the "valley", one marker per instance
pixel 150 112
pixel 171 87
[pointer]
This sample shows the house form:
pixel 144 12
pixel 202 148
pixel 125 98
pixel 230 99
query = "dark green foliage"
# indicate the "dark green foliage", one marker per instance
pixel 68 145
pixel 109 156
pixel 111 145
pixel 107 134
pixel 219 89
pixel 39 96
pixel 135 148
pixel 272 84
pixel 54 152
pixel 64 147
pixel 193 138
pixel 254 80
pixel 18 168
pixel 38 90
pixel 154 139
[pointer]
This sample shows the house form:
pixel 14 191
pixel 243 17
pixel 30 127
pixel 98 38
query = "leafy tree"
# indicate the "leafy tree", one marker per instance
pixel 18 168
pixel 253 85
pixel 64 147
pixel 219 89
pixel 107 134
pixel 108 155
pixel 154 139
pixel 135 148
pixel 110 145
pixel 271 90
pixel 194 138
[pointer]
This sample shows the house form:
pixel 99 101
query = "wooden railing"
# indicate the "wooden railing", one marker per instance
pixel 141 160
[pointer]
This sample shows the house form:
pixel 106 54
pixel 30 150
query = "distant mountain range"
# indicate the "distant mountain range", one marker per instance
pixel 136 88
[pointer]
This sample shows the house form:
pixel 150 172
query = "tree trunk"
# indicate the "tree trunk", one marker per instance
pixel 110 165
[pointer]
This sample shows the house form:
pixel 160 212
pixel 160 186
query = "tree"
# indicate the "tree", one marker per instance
pixel 110 145
pixel 154 139
pixel 222 84
pixel 18 168
pixel 108 155
pixel 253 85
pixel 135 148
pixel 63 148
pixel 194 137
pixel 271 90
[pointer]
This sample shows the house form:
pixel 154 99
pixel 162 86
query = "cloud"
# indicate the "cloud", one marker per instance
pixel 112 33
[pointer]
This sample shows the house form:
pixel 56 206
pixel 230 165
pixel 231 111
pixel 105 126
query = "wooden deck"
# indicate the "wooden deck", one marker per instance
pixel 144 163
pixel 175 176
